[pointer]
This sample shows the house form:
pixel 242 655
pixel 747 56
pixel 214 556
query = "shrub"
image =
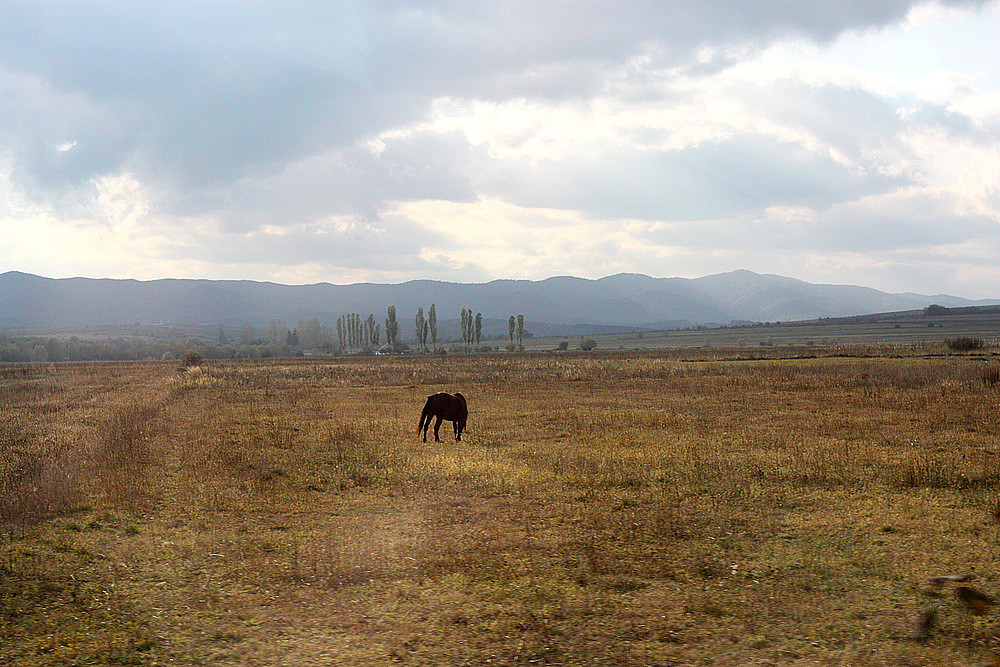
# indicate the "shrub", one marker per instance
pixel 964 343
pixel 192 358
pixel 563 345
pixel 588 344
pixel 991 376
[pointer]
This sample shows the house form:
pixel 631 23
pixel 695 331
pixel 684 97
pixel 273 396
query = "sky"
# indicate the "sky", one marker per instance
pixel 848 142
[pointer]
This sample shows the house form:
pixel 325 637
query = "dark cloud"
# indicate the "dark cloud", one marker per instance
pixel 202 91
pixel 501 49
pixel 350 182
pixel 191 94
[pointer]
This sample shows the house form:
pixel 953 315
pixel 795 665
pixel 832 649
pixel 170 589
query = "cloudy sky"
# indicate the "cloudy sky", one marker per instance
pixel 848 141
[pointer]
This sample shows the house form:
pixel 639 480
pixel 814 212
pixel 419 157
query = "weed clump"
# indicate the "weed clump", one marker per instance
pixel 964 344
pixel 191 358
pixel 990 376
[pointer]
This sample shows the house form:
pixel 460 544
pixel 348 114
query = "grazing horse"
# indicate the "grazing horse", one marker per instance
pixel 444 406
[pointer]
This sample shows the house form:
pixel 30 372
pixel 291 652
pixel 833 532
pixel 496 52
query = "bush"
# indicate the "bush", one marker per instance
pixel 964 343
pixel 192 358
pixel 588 344
pixel 563 345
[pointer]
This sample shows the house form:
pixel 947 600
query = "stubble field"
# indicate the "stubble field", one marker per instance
pixel 659 508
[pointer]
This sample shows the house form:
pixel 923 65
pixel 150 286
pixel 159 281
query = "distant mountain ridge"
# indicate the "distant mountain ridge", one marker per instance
pixel 552 306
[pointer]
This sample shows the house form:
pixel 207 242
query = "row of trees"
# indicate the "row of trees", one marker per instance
pixel 274 339
pixel 472 327
pixel 516 327
pixel 32 349
pixel 355 333
pixel 426 326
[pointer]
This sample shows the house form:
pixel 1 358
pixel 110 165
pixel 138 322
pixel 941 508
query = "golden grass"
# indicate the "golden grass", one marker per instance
pixel 644 508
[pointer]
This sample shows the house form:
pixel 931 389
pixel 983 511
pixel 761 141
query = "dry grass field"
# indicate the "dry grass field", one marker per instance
pixel 658 508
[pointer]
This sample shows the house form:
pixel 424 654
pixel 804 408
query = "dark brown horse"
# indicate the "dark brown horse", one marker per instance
pixel 451 407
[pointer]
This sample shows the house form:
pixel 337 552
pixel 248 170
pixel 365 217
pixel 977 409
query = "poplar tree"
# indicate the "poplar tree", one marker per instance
pixel 370 331
pixel 247 334
pixel 432 322
pixel 479 327
pixel 511 325
pixel 391 327
pixel 420 325
pixel 520 330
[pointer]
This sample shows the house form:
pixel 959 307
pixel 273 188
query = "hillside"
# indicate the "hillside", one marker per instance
pixel 914 327
pixel 555 306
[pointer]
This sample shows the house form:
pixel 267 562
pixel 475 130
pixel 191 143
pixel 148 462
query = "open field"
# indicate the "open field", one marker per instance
pixel 695 507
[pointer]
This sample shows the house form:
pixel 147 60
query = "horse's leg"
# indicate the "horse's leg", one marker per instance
pixel 458 431
pixel 437 426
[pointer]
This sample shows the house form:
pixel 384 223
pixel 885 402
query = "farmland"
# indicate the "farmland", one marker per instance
pixel 911 328
pixel 718 506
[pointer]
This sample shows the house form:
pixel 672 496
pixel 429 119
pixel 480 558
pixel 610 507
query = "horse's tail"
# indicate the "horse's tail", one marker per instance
pixel 424 416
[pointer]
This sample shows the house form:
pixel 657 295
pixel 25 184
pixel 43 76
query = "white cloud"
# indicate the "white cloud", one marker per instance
pixel 121 200
pixel 496 238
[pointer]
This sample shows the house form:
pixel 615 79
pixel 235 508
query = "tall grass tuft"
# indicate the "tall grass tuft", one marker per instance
pixel 122 453
pixel 36 490
pixel 964 343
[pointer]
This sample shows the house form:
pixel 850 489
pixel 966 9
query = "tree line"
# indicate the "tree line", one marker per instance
pixel 351 335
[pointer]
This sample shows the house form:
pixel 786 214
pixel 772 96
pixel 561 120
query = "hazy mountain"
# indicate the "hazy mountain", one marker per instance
pixel 555 305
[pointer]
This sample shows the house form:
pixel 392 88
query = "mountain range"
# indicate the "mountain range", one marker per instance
pixel 560 305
